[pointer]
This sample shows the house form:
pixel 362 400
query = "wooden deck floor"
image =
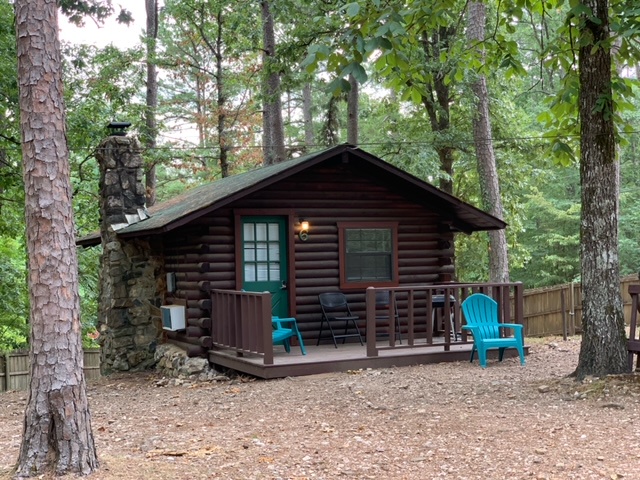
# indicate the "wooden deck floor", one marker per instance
pixel 327 358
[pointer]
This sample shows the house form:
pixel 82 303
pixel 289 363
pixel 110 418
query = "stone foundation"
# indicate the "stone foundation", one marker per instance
pixel 178 368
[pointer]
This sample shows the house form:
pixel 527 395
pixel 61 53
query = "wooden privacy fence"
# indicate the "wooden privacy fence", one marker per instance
pixel 14 369
pixel 557 310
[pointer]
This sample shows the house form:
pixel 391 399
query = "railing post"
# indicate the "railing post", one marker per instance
pixel 518 296
pixel 370 302
pixel 265 318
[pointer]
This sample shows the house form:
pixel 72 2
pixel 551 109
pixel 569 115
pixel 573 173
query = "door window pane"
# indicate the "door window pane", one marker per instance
pixel 274 232
pixel 261 249
pixel 261 232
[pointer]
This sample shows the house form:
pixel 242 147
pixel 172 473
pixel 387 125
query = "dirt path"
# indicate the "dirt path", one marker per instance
pixel 450 420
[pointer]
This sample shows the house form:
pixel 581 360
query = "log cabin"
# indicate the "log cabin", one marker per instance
pixel 232 254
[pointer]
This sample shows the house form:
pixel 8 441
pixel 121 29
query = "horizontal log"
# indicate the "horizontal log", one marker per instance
pixel 190 294
pixel 205 276
pixel 187 267
pixel 213 258
pixel 306 247
pixel 196 351
pixel 228 239
pixel 205 304
pixel 313 281
pixel 422 254
pixel 195 332
pixel 202 322
pixel 185 248
pixel 408 265
pixel 329 273
pixel 182 338
pixel 206 342
pixel 322 256
pixel 327 264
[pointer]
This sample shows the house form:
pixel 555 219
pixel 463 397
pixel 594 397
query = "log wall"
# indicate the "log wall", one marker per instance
pixel 202 254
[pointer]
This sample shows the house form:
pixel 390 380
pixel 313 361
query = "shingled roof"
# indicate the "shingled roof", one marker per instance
pixel 201 200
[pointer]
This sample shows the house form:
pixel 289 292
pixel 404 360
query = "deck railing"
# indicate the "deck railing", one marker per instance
pixel 241 321
pixel 436 308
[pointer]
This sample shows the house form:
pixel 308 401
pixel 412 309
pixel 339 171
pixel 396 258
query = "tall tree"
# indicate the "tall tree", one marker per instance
pixel 273 136
pixel 603 347
pixel 57 428
pixel 151 129
pixel 353 98
pixel 307 115
pixel 209 53
pixel 483 140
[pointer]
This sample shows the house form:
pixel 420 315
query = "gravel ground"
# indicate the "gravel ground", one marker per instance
pixel 450 420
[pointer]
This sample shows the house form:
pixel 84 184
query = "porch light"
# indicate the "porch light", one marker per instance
pixel 304 230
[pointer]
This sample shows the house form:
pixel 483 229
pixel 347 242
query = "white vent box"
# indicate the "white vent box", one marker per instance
pixel 173 317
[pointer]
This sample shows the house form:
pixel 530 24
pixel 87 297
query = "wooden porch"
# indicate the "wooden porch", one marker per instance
pixel 241 331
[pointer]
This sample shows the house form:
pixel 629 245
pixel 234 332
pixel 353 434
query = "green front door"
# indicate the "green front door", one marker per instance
pixel 264 260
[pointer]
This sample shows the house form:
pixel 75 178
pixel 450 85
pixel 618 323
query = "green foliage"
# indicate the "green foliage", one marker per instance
pixel 552 230
pixel 14 313
pixel 88 268
pixel 78 10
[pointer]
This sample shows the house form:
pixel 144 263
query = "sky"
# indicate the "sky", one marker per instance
pixel 121 36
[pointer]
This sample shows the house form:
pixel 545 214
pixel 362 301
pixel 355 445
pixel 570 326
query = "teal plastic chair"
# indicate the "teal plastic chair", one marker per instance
pixel 481 314
pixel 282 334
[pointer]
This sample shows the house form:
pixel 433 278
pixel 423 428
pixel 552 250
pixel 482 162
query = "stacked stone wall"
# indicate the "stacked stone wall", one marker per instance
pixel 131 283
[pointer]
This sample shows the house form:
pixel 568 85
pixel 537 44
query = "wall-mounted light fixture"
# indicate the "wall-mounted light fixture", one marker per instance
pixel 304 230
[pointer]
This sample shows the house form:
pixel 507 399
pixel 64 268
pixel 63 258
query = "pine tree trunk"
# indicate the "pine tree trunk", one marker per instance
pixel 57 432
pixel 152 98
pixel 221 101
pixel 307 105
pixel 272 118
pixel 603 347
pixel 352 111
pixel 487 169
pixel 437 107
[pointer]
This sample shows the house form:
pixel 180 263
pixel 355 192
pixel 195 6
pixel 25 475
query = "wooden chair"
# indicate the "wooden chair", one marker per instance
pixel 282 335
pixel 481 314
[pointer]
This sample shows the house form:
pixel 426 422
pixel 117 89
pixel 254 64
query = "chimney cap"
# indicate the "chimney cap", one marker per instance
pixel 118 128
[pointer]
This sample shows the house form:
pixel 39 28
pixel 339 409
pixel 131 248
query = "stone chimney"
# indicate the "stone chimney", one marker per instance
pixel 129 319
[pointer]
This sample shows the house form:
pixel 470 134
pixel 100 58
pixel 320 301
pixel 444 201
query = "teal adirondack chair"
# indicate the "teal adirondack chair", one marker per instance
pixel 281 334
pixel 481 314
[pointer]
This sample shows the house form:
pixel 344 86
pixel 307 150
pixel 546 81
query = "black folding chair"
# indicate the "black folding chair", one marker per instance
pixel 335 310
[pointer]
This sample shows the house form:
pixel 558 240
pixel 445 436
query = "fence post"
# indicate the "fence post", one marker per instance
pixel 572 311
pixel 6 371
pixel 563 307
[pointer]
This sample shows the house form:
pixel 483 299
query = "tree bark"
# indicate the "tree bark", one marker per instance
pixel 352 111
pixel 57 432
pixel 437 107
pixel 273 136
pixel 307 105
pixel 221 100
pixel 485 155
pixel 152 99
pixel 603 347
